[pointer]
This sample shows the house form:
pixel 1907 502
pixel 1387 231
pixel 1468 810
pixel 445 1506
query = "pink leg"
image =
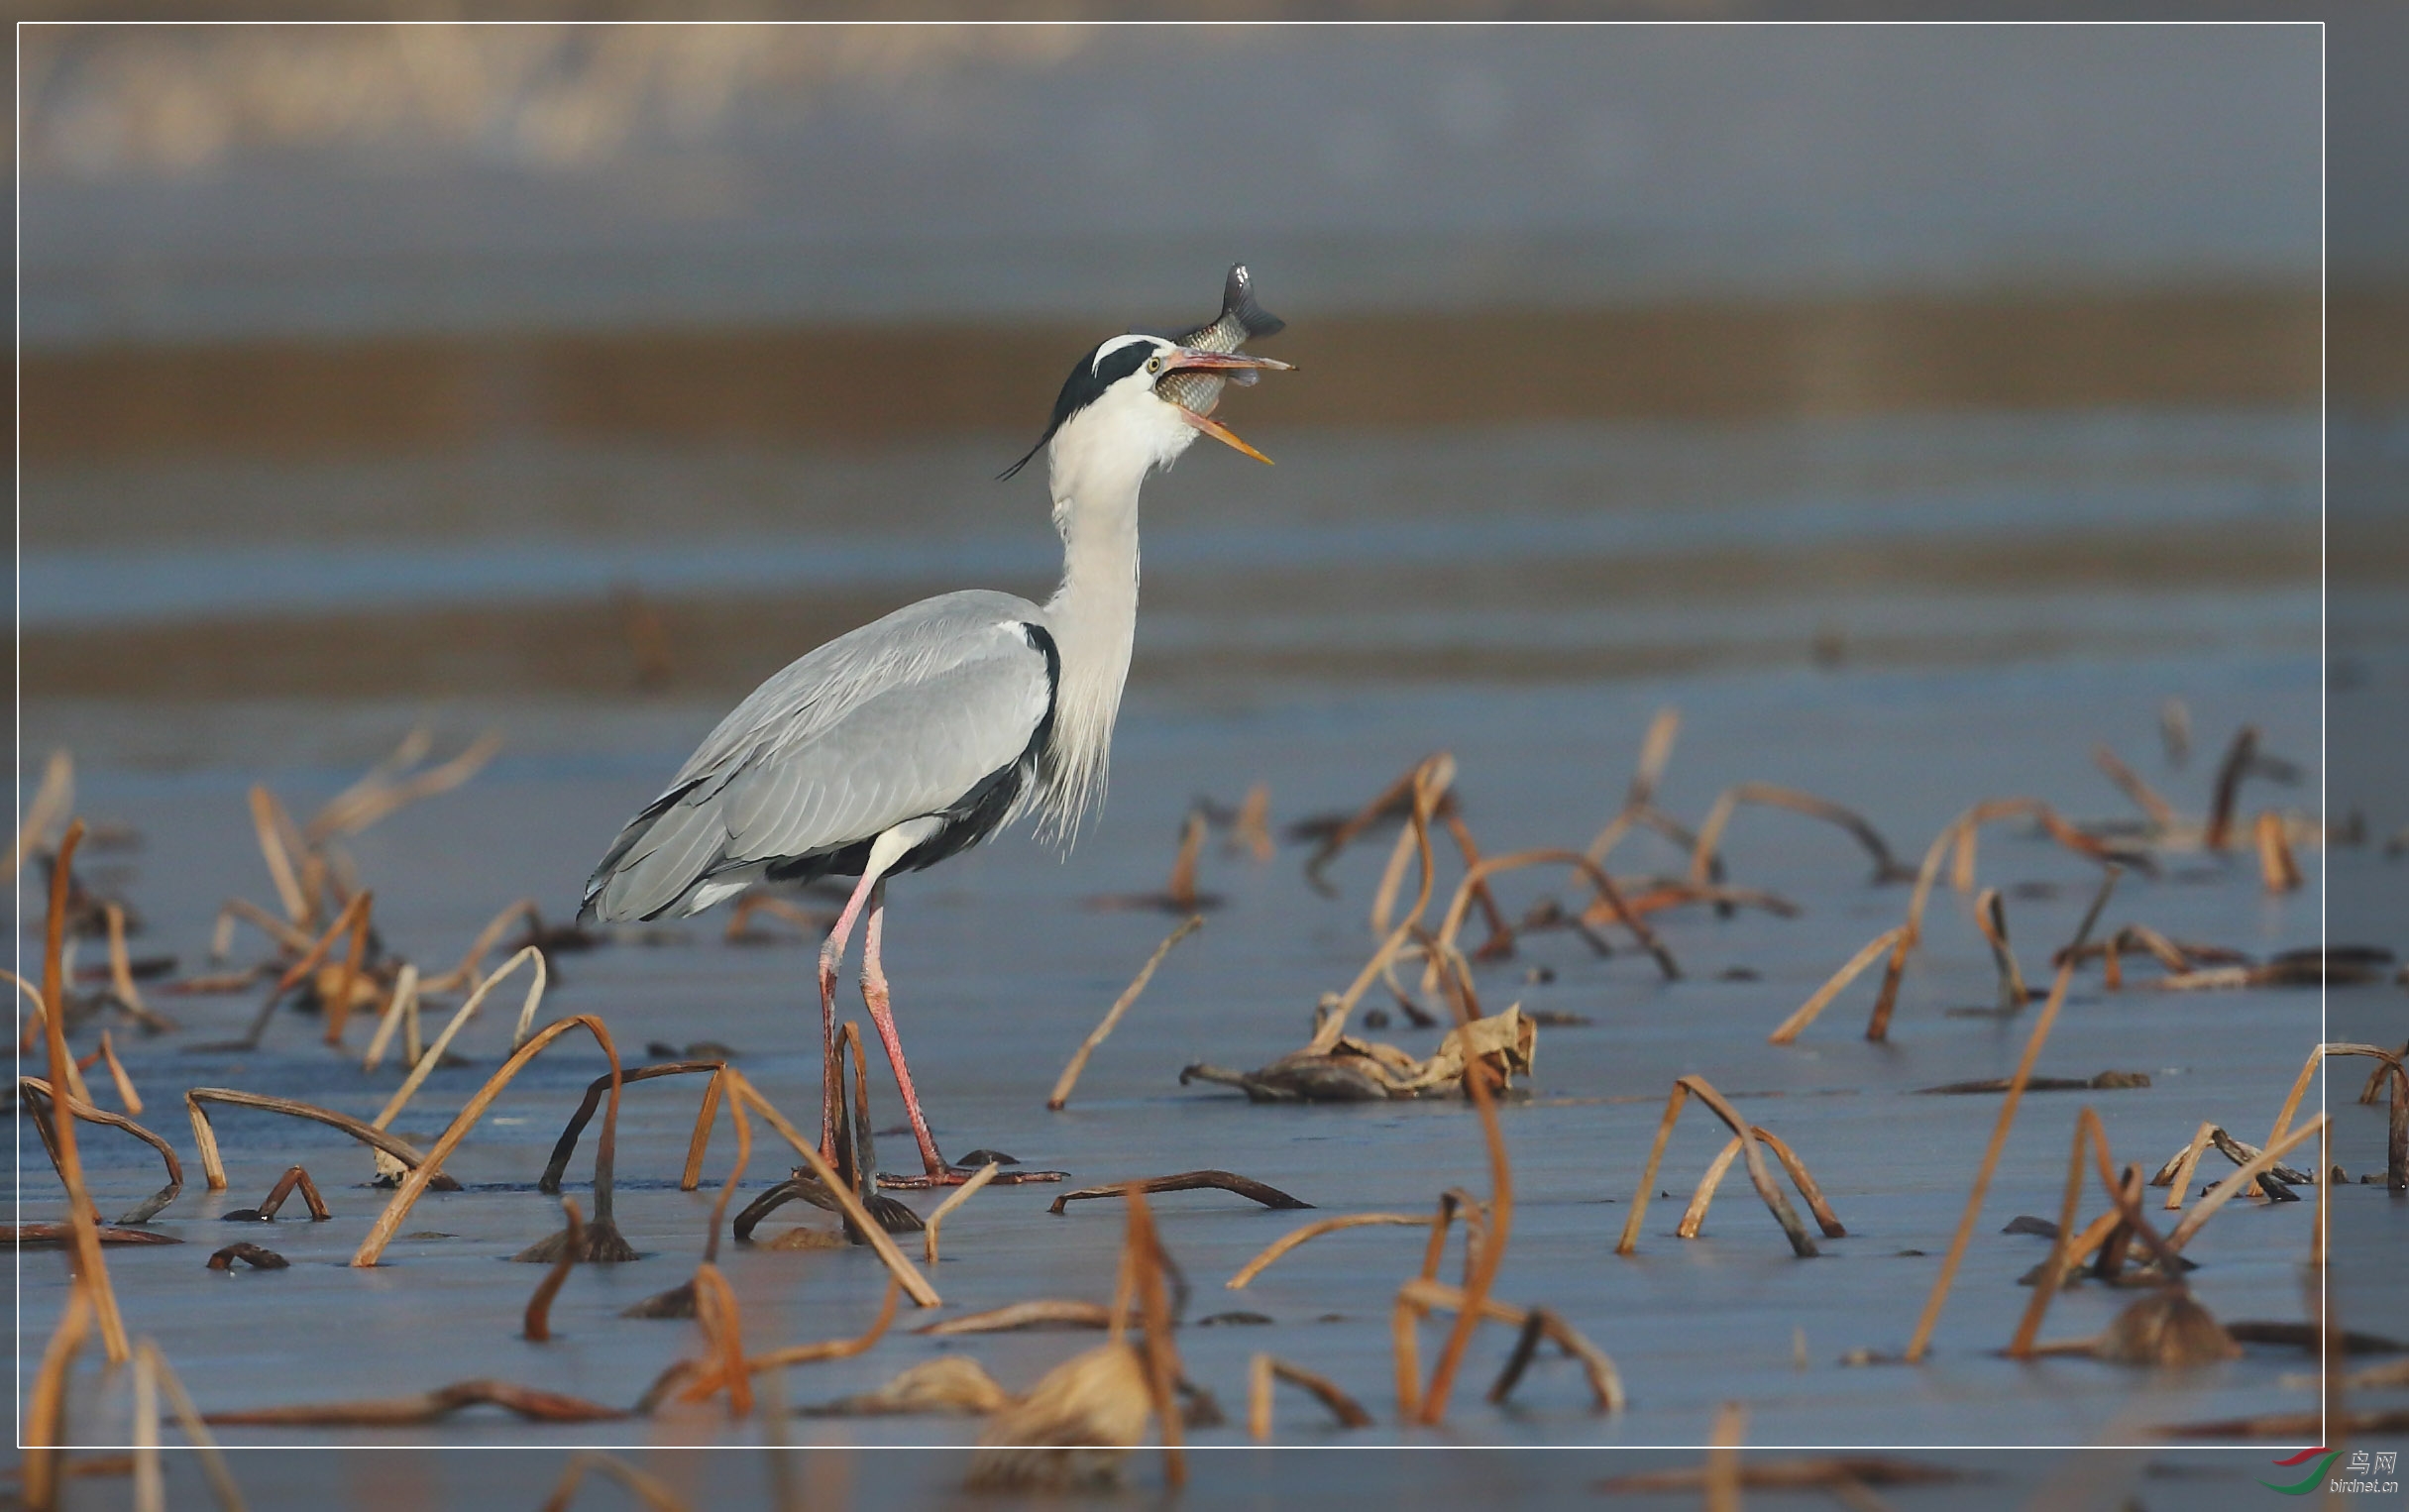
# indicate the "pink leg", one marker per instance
pixel 874 993
pixel 832 956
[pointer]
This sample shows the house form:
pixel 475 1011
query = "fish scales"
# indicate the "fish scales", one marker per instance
pixel 1241 318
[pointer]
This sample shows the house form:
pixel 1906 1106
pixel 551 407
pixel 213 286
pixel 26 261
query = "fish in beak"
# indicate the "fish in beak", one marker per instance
pixel 1237 365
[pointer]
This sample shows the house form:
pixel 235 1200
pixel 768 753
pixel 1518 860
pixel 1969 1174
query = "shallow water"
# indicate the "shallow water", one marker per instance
pixel 999 968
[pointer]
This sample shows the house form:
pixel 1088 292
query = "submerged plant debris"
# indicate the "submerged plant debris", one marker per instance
pixel 1622 960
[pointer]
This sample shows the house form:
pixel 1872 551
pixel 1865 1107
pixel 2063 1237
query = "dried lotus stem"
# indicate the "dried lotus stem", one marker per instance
pixel 2006 1119
pixel 1121 1005
pixel 91 1267
pixel 1311 1231
pixel 961 1194
pixel 414 1185
pixel 1813 1007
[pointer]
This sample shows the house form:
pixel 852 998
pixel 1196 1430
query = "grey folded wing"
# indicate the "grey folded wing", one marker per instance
pixel 899 720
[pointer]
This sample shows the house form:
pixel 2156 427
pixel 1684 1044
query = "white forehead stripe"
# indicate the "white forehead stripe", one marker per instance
pixel 1115 345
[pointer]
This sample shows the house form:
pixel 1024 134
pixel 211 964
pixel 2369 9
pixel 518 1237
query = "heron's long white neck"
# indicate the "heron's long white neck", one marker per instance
pixel 1093 615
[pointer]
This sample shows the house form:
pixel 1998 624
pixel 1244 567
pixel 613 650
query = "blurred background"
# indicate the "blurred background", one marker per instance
pixel 565 368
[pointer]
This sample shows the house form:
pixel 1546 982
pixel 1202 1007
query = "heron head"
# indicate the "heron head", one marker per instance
pixel 1114 398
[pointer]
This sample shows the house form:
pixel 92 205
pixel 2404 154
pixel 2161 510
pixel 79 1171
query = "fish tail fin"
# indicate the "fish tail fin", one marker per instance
pixel 1238 298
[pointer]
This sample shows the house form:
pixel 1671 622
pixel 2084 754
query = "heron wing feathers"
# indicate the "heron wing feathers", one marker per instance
pixel 900 718
pixel 915 749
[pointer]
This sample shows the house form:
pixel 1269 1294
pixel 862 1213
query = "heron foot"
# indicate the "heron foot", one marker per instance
pixel 957 1176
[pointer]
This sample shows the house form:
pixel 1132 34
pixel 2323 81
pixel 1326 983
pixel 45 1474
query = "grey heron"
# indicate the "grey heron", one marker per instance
pixel 907 740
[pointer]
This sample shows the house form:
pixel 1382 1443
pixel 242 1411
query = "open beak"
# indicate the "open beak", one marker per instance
pixel 1241 368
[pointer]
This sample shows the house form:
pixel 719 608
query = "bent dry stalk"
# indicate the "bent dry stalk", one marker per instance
pixel 565 1148
pixel 602 1238
pixel 1813 1009
pixel 1484 1259
pixel 204 1134
pixel 1263 1370
pixel 912 1282
pixel 30 1087
pixel 2006 1119
pixel 1703 867
pixel 1311 1231
pixel 91 1268
pixel 1187 1181
pixel 1683 1089
pixel 1961 833
pixel 537 1326
pixel 1061 1096
pixel 1695 1215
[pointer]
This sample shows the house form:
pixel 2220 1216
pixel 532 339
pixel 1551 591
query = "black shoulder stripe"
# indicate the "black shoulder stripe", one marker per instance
pixel 1041 641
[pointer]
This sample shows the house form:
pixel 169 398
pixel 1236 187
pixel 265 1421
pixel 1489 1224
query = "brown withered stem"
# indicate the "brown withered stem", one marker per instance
pixel 196 1433
pixel 653 1492
pixel 472 965
pixel 740 930
pixel 1606 1382
pixel 1160 1351
pixel 1418 1298
pixel 1393 802
pixel 1481 1272
pixel 2006 1119
pixel 38 1101
pixel 1314 1230
pixel 46 1410
pixel 1702 868
pixel 2088 1132
pixel 538 1327
pixel 961 1194
pixel 2239 1182
pixel 256 1256
pixel 914 1284
pixel 1038 1313
pixel 601 1240
pixel 1263 1370
pixel 26 1235
pixel 117 1073
pixel 1639 800
pixel 2277 869
pixel 52 802
pixel 1724 1440
pixel 1608 896
pixel 294 1178
pixel 280 842
pixel 427 1406
pixel 2162 815
pixel 1061 1096
pixel 91 1267
pixel 835 1348
pixel 1187 1181
pixel 722 1367
pixel 204 1134
pixel 1252 830
pixel 386 789
pixel 565 1148
pixel 2236 765
pixel 1961 833
pixel 339 1010
pixel 1991 917
pixel 1813 1009
pixel 1821 1473
pixel 1694 1217
pixel 1683 1089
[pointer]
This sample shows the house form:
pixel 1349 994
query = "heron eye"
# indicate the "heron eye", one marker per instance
pixel 1153 364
